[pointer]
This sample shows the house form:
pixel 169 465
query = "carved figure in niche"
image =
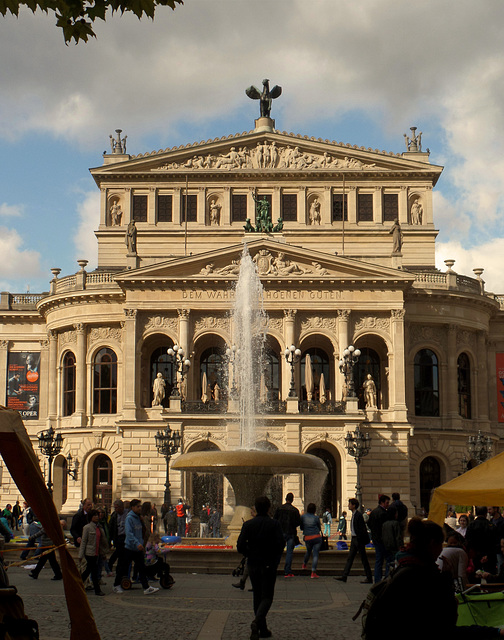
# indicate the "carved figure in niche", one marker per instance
pixel 207 269
pixel 369 389
pixel 416 212
pixel 396 237
pixel 159 390
pixel 216 393
pixel 265 96
pixel 285 267
pixel 315 212
pixel 115 214
pixel 215 208
pixel 131 237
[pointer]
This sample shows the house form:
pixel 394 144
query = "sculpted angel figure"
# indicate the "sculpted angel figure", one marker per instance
pixel 265 96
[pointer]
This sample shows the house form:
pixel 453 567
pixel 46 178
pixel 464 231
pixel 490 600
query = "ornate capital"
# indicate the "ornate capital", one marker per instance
pixel 183 314
pixel 130 313
pixel 4 344
pixel 52 335
pixel 343 314
pixel 80 327
pixel 398 314
pixel 44 344
pixel 290 314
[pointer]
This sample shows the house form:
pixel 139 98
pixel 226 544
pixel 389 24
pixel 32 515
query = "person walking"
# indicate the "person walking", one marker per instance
pixel 312 535
pixel 327 522
pixel 262 541
pixel 359 540
pixel 133 550
pixel 93 546
pixel 289 518
pixel 342 526
pixel 47 555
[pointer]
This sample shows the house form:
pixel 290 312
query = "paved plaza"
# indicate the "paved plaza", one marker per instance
pixel 199 607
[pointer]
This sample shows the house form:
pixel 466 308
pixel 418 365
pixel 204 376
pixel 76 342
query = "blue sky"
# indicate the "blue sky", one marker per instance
pixel 361 73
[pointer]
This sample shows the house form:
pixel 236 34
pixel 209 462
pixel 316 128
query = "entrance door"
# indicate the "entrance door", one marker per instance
pixel 102 481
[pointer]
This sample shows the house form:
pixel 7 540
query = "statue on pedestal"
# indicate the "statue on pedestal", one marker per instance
pixel 369 389
pixel 265 96
pixel 396 237
pixel 131 235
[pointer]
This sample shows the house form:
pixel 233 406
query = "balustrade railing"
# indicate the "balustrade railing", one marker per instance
pixel 329 407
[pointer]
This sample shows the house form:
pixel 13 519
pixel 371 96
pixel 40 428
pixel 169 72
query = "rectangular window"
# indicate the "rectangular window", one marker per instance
pixel 238 207
pixel 140 208
pixel 337 207
pixel 164 208
pixel 390 207
pixel 192 207
pixel 289 207
pixel 365 207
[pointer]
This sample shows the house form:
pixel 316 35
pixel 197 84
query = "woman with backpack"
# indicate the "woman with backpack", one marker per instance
pixel 312 536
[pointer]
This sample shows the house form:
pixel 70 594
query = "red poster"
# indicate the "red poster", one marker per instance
pixel 499 363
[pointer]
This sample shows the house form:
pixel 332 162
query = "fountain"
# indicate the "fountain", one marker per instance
pixel 249 470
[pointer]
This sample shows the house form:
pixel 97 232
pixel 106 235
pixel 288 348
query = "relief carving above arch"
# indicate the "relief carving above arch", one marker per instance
pixel 161 322
pixel 97 334
pixel 372 322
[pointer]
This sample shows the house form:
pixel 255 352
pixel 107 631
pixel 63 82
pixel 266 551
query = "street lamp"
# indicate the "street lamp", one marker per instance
pixel 50 444
pixel 480 447
pixel 346 367
pixel 181 364
pixel 358 445
pixel 292 355
pixel 72 467
pixel 167 444
pixel 231 353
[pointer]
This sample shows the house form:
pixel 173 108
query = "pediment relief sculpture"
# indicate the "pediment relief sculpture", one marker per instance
pixel 266 156
pixel 268 265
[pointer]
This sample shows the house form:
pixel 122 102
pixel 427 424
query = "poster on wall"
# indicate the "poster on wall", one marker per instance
pixel 23 383
pixel 499 362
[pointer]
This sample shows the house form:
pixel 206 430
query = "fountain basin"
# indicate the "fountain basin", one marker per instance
pixel 249 472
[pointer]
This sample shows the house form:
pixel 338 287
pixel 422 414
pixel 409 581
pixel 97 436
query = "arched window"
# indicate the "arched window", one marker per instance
pixel 160 362
pixel 271 373
pixel 426 383
pixel 320 373
pixel 464 385
pixel 430 478
pixel 368 363
pixel 212 369
pixel 68 383
pixel 105 382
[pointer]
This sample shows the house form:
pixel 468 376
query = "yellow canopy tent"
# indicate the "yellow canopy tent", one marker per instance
pixel 18 455
pixel 483 485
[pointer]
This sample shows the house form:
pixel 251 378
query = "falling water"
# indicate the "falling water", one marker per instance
pixel 250 325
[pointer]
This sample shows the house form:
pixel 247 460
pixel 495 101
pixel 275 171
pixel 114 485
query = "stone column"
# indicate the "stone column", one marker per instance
pixel 202 208
pixel 451 384
pixel 351 193
pixel 403 206
pixel 343 342
pixel 183 315
pixel 378 206
pixel 80 374
pixel 482 377
pixel 127 213
pixel 151 205
pixel 177 205
pixel 53 366
pixel 301 213
pixel 397 377
pixel 251 206
pixel 290 338
pixel 276 205
pixel 104 214
pixel 4 354
pixel 130 364
pixel 225 216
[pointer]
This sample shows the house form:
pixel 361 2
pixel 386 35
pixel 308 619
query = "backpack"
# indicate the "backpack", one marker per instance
pixel 373 609
pixel 324 518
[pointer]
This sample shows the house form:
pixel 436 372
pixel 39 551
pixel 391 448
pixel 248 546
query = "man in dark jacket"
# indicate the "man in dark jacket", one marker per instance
pixel 375 524
pixel 80 520
pixel 360 539
pixel 480 542
pixel 289 518
pixel 261 540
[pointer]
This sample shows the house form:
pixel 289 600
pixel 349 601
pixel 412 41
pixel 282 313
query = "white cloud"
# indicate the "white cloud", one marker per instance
pixel 487 256
pixel 17 264
pixel 11 210
pixel 86 246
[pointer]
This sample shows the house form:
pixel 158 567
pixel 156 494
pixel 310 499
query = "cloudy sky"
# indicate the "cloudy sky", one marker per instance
pixel 358 72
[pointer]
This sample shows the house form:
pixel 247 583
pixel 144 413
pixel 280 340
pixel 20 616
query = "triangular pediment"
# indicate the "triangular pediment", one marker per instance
pixel 275 260
pixel 267 152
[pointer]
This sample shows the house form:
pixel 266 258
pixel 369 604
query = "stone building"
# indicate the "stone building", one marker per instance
pixel 336 270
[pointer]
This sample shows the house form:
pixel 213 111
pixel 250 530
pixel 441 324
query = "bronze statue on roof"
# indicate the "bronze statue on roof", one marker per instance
pixel 265 96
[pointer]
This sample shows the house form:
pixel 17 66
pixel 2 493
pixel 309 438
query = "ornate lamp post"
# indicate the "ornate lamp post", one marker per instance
pixel 346 367
pixel 292 355
pixel 358 445
pixel 231 353
pixel 182 365
pixel 167 444
pixel 480 447
pixel 50 444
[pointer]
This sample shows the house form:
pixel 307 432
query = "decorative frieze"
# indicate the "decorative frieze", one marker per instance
pixel 67 338
pixel 424 334
pixel 318 322
pixel 161 322
pixel 212 322
pixel 99 334
pixel 372 322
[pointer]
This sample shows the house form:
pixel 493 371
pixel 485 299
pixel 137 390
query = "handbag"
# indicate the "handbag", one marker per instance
pixel 325 543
